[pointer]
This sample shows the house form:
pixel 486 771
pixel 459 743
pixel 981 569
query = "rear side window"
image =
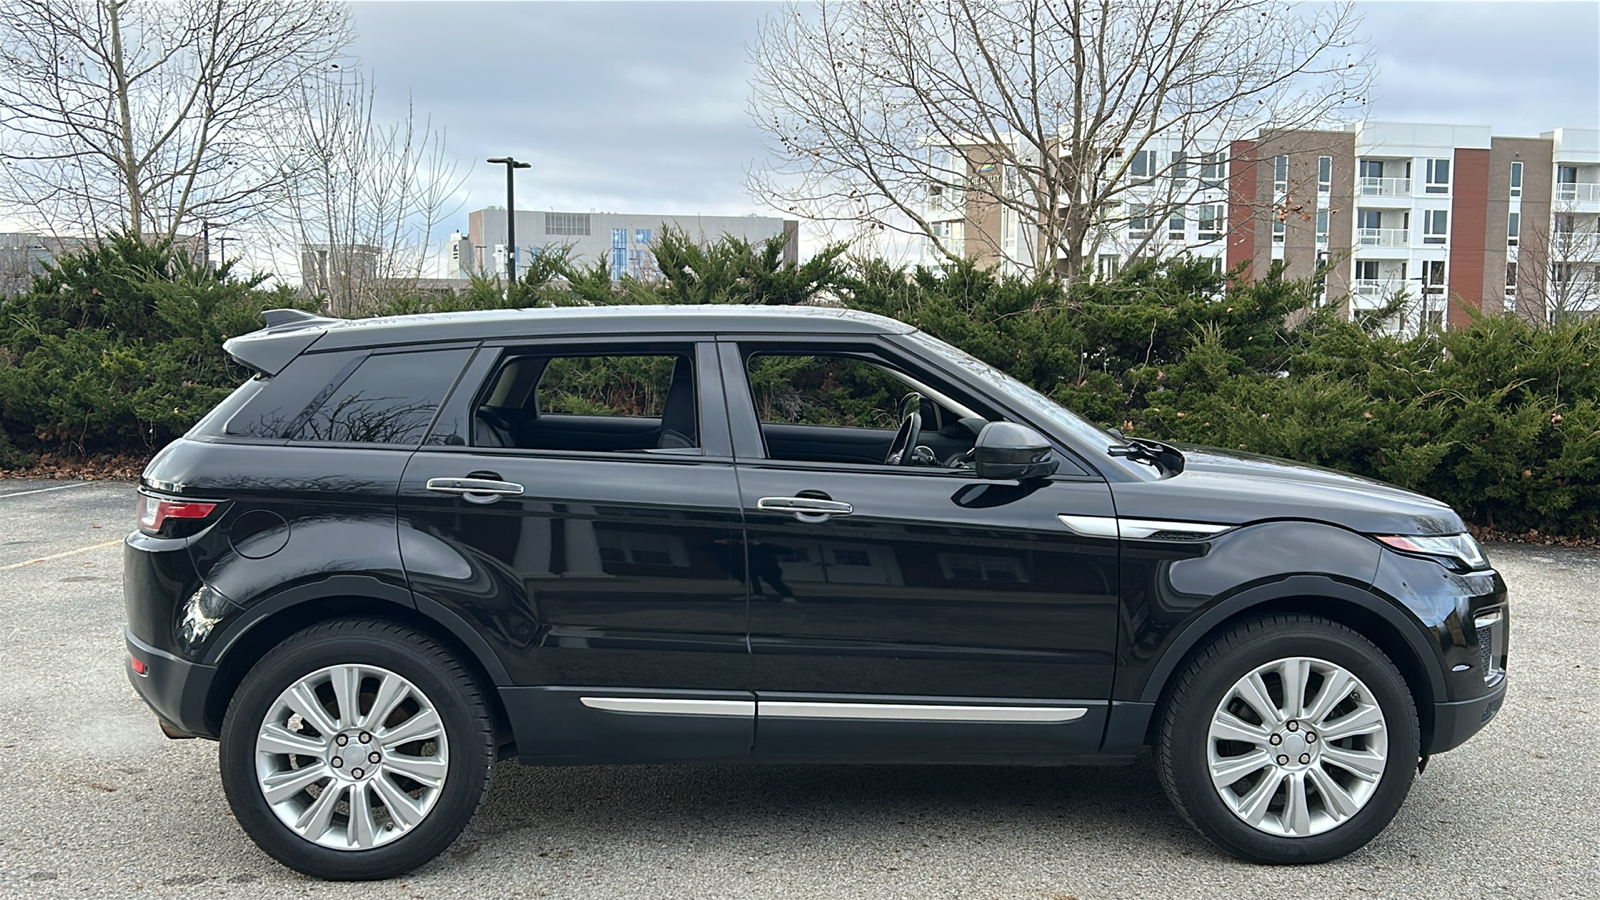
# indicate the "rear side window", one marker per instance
pixel 274 406
pixel 389 399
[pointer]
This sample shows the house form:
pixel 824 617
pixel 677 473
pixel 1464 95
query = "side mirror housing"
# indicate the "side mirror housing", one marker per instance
pixel 1006 451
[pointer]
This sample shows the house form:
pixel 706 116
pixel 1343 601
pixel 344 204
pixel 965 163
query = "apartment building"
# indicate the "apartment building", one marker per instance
pixel 624 240
pixel 1454 216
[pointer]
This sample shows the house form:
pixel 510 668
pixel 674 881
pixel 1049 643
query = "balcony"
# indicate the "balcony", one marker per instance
pixel 1384 237
pixel 1385 187
pixel 1575 245
pixel 1377 288
pixel 1581 192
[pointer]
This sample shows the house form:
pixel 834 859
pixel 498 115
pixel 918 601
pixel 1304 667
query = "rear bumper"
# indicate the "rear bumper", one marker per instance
pixel 1453 723
pixel 175 688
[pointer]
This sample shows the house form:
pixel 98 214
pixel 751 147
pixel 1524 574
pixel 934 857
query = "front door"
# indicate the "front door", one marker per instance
pixel 585 518
pixel 909 611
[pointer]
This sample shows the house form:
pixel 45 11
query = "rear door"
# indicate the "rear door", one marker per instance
pixel 932 614
pixel 578 504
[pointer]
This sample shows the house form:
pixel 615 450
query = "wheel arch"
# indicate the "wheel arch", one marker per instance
pixel 1383 623
pixel 267 624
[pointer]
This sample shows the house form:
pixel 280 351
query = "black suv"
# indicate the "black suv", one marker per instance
pixel 410 547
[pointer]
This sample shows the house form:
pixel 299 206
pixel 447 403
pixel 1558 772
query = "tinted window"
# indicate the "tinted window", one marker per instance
pixel 824 390
pixel 606 385
pixel 601 402
pixel 282 399
pixel 389 399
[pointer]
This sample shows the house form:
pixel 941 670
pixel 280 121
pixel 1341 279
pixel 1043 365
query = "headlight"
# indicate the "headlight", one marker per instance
pixel 1459 547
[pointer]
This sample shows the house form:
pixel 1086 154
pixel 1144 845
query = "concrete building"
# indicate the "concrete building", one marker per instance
pixel 624 240
pixel 1456 217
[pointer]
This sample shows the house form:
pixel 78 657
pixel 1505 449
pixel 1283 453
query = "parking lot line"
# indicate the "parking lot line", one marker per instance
pixel 73 552
pixel 61 487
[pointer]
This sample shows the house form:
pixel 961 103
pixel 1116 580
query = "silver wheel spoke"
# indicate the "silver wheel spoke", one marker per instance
pixel 1253 691
pixel 313 823
pixel 1301 781
pixel 1335 687
pixel 1337 801
pixel 346 681
pixel 363 830
pixel 1253 806
pixel 402 809
pixel 290 782
pixel 426 770
pixel 1229 727
pixel 391 690
pixel 275 738
pixel 1365 720
pixel 1363 764
pixel 1296 815
pixel 303 700
pixel 425 724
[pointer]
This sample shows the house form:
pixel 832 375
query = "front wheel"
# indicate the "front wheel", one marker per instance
pixel 357 749
pixel 1289 739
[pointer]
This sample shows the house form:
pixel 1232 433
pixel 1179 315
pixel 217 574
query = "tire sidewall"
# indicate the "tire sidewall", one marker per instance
pixel 458 705
pixel 1186 742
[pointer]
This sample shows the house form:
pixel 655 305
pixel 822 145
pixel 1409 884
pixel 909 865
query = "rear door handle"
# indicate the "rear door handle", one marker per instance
pixel 806 509
pixel 476 490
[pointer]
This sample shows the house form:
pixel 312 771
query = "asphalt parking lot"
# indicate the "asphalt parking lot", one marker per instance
pixel 95 802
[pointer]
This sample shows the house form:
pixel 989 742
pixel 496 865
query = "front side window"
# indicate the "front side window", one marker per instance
pixel 389 399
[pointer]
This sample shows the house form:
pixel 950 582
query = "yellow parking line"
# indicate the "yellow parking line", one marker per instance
pixel 62 553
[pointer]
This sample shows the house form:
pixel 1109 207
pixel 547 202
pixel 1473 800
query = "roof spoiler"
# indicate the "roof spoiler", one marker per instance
pixel 288 334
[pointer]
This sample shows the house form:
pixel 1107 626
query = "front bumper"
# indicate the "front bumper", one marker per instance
pixel 175 688
pixel 1453 723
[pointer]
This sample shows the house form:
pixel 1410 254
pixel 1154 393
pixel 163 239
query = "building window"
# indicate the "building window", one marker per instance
pixel 641 235
pixel 1513 229
pixel 567 224
pixel 1175 226
pixel 1369 218
pixel 1372 168
pixel 1435 226
pixel 1511 276
pixel 1210 222
pixel 1138 221
pixel 1566 174
pixel 1366 270
pixel 1322 226
pixel 1438 177
pixel 1516 179
pixel 1180 166
pixel 1280 174
pixel 1143 166
pixel 1432 275
pixel 1106 266
pixel 1211 168
pixel 1324 174
pixel 1280 230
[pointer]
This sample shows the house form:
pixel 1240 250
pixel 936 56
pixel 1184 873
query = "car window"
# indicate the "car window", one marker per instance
pixel 824 390
pixel 389 399
pixel 600 402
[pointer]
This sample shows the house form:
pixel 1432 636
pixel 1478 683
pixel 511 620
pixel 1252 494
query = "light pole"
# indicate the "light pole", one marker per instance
pixel 512 166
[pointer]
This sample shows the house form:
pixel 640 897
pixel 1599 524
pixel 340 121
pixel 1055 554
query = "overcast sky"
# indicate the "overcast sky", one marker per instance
pixel 640 106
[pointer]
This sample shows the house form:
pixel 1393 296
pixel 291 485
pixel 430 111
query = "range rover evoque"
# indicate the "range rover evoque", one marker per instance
pixel 410 547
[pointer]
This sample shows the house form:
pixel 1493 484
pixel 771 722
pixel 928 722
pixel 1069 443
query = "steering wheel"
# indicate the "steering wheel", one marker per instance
pixel 905 440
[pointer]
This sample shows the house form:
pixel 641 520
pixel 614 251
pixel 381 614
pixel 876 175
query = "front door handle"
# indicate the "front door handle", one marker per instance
pixel 806 509
pixel 476 490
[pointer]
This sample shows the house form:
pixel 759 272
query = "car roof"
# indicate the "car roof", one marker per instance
pixel 289 332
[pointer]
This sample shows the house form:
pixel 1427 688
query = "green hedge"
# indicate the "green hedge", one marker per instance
pixel 119 350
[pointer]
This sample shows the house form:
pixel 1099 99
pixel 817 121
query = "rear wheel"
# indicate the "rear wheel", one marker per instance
pixel 1289 739
pixel 357 749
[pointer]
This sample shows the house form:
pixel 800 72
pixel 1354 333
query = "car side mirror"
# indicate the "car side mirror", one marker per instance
pixel 1006 451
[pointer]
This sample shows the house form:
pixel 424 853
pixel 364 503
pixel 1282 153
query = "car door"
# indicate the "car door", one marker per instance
pixel 905 611
pixel 577 504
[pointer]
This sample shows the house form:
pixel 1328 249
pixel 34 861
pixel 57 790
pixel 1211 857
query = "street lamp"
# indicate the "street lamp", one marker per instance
pixel 512 166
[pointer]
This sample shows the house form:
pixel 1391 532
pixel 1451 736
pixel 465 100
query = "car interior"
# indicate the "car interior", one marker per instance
pixel 640 402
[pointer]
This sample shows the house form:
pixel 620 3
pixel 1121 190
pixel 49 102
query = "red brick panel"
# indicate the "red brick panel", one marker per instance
pixel 1241 205
pixel 1469 220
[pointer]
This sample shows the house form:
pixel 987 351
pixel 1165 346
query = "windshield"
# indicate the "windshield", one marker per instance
pixel 1058 415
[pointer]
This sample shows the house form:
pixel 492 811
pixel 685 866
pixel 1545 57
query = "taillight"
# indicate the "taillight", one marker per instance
pixel 155 511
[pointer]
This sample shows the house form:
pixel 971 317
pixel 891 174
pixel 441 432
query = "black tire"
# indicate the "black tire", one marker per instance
pixel 1185 727
pixel 454 695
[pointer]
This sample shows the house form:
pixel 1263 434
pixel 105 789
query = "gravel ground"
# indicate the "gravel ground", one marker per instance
pixel 97 803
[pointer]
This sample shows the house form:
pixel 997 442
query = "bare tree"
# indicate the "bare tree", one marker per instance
pixel 153 116
pixel 1563 280
pixel 363 197
pixel 1032 109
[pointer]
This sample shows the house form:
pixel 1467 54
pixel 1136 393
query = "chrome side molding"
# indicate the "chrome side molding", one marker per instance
pixel 671 706
pixel 917 712
pixel 1110 527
